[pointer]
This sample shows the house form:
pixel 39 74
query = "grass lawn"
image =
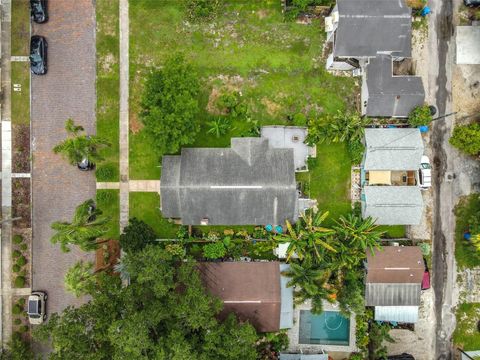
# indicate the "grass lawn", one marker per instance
pixel 145 206
pixel 465 254
pixel 108 87
pixel 276 65
pixel 467 334
pixel 328 180
pixel 393 231
pixel 108 202
pixel 21 99
pixel 20 36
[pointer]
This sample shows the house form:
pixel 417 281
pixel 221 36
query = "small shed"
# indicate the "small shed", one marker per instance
pixel 468 45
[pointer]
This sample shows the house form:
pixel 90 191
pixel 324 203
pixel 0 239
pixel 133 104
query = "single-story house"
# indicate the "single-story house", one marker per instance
pixel 393 283
pixel 254 291
pixel 388 95
pixel 389 176
pixel 251 183
pixel 359 29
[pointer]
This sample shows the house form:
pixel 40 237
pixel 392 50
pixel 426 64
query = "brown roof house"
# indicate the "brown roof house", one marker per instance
pixel 393 283
pixel 254 291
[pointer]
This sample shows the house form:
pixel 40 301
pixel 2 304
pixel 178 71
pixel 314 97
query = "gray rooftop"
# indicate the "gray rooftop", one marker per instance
pixel 377 294
pixel 389 95
pixel 250 183
pixel 393 149
pixel 393 205
pixel 366 27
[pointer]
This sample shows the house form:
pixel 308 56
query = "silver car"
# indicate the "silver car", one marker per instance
pixel 425 173
pixel 36 308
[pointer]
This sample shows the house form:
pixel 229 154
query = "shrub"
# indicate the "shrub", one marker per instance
pixel 136 235
pixel 17 309
pixel 232 103
pixel 23 329
pixel 17 321
pixel 16 268
pixel 466 138
pixel 425 248
pixel 299 119
pixel 16 253
pixel 21 261
pixel 21 301
pixel 355 151
pixel 420 116
pixel 198 10
pixel 19 281
pixel 23 247
pixel 17 239
pixel 214 250
pixel 219 126
pixel 175 250
pixel 105 172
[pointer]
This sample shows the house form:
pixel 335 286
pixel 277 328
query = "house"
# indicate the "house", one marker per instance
pixel 254 291
pixel 358 30
pixel 251 183
pixel 389 176
pixel 393 283
pixel 388 95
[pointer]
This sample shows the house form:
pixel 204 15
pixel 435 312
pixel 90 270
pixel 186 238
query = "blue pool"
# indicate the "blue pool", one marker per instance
pixel 328 328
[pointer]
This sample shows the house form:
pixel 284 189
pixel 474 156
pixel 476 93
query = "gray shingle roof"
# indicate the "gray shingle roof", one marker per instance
pixel 393 205
pixel 390 95
pixel 393 149
pixel 249 183
pixel 366 27
pixel 392 294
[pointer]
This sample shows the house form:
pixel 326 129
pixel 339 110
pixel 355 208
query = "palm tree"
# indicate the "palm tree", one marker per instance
pixel 359 233
pixel 307 236
pixel 220 126
pixel 78 147
pixel 86 227
pixel 80 278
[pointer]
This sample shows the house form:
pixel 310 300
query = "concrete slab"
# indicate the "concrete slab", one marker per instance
pixel 468 45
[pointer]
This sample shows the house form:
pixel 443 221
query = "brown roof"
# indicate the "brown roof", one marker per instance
pixel 249 289
pixel 395 264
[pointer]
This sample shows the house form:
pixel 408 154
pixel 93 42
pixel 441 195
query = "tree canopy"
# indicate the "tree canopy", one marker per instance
pixel 170 105
pixel 164 313
pixel 467 138
pixel 136 235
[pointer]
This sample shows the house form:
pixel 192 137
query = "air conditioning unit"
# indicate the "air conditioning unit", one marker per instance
pixel 335 17
pixel 328 24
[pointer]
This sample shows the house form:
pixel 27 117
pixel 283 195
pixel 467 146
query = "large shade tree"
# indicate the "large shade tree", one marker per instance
pixel 164 313
pixel 86 227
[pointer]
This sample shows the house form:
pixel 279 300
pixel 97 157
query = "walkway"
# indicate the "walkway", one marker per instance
pixel 124 126
pixel 133 186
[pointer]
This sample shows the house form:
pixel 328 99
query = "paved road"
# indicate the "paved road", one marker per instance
pixel 68 90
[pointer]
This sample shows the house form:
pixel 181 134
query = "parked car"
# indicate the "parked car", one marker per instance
pixel 425 173
pixel 471 3
pixel 38 11
pixel 86 165
pixel 36 308
pixel 38 55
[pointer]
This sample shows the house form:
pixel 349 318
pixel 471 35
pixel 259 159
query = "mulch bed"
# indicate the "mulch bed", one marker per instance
pixel 21 202
pixel 107 255
pixel 21 325
pixel 25 249
pixel 21 148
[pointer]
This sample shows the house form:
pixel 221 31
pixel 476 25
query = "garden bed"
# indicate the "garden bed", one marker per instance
pixel 21 148
pixel 21 258
pixel 21 202
pixel 20 322
pixel 107 255
pixel 466 210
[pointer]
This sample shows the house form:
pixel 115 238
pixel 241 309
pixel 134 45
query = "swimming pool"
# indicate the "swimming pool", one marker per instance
pixel 328 328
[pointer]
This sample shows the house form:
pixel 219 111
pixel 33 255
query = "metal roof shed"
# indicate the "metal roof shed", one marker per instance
pixel 401 314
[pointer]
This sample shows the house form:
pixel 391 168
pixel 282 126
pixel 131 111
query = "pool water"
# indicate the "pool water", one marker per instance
pixel 328 328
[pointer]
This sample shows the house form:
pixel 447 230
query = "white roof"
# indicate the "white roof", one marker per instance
pixel 401 314
pixel 468 49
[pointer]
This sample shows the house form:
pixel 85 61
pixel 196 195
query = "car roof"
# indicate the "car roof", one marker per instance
pixel 33 305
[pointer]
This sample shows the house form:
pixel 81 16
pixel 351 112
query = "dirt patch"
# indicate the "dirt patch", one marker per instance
pixel 466 90
pixel 272 107
pixel 262 14
pixel 21 148
pixel 135 124
pixel 107 255
pixel 212 103
pixel 222 84
pixel 21 202
pixel 107 62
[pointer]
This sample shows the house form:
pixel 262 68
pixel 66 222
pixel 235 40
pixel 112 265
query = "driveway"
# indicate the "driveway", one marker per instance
pixel 67 91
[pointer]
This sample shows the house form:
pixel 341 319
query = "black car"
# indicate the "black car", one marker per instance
pixel 471 2
pixel 38 11
pixel 38 55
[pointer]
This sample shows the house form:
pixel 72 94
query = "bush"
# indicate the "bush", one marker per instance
pixel 136 235
pixel 219 126
pixel 105 172
pixel 23 247
pixel 19 281
pixel 23 329
pixel 355 151
pixel 17 321
pixel 420 116
pixel 198 10
pixel 424 248
pixel 175 250
pixel 16 268
pixel 299 120
pixel 466 138
pixel 233 105
pixel 214 250
pixel 21 261
pixel 17 239
pixel 21 301
pixel 17 309
pixel 16 253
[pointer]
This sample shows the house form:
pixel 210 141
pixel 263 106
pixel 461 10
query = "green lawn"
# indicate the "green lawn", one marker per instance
pixel 20 35
pixel 468 207
pixel 21 99
pixel 276 65
pixel 146 206
pixel 328 180
pixel 393 231
pixel 467 334
pixel 108 87
pixel 108 202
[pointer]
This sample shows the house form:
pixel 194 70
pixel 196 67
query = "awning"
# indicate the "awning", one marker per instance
pixel 401 314
pixel 379 178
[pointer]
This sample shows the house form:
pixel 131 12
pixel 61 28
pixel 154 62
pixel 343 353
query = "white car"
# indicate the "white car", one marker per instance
pixel 425 173
pixel 36 308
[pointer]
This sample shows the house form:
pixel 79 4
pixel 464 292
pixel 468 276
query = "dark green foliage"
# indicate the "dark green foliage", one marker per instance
pixel 23 247
pixel 17 239
pixel 379 333
pixel 214 250
pixel 16 268
pixel 21 301
pixel 136 236
pixel 202 10
pixel 17 309
pixel 299 119
pixel 16 253
pixel 467 138
pixel 219 126
pixel 356 150
pixel 170 105
pixel 18 348
pixel 17 321
pixel 351 294
pixel 234 106
pixel 420 116
pixel 19 281
pixel 21 261
pixel 23 329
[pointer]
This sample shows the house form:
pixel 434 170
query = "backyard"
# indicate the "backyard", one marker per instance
pixel 467 210
pixel 467 332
